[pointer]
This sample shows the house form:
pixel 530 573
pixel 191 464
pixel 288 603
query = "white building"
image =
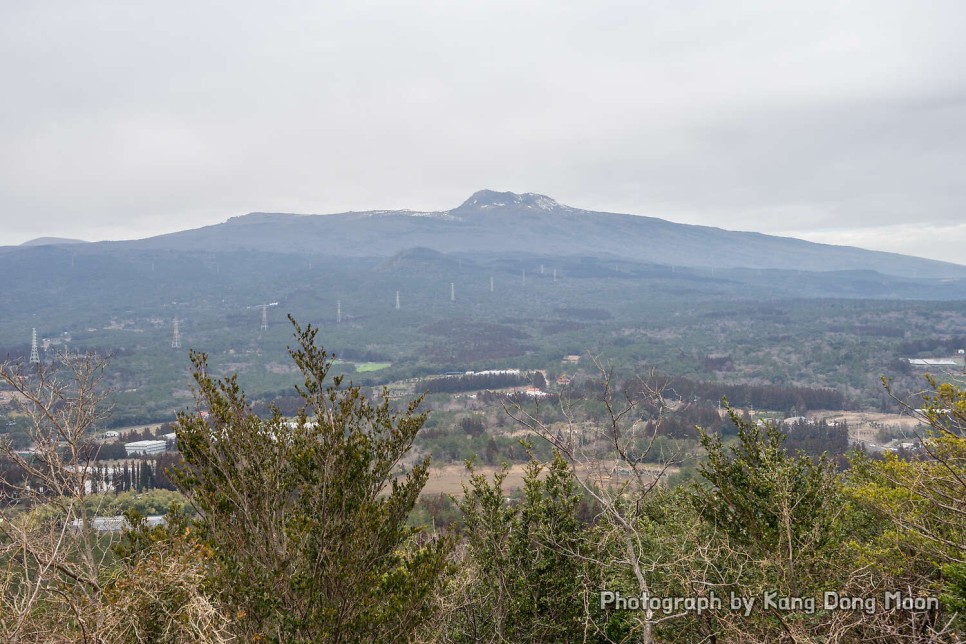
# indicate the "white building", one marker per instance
pixel 533 392
pixel 932 362
pixel 494 372
pixel 143 448
pixel 116 523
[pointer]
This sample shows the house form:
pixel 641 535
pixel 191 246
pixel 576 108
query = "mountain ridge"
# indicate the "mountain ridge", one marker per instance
pixel 491 222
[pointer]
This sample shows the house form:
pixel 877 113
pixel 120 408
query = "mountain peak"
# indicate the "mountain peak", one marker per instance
pixel 487 199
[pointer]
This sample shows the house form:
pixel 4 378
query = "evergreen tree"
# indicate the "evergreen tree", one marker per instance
pixel 524 561
pixel 306 520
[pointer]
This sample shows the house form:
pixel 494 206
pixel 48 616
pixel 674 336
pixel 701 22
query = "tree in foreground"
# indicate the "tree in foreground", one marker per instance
pixel 523 567
pixel 306 519
pixel 616 458
pixel 790 524
pixel 49 551
pixel 61 579
pixel 780 523
pixel 921 504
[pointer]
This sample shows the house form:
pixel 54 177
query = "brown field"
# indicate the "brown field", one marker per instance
pixel 865 426
pixel 9 396
pixel 448 479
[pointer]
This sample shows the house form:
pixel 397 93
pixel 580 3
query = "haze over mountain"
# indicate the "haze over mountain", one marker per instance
pixel 492 222
pixel 308 262
pixel 499 278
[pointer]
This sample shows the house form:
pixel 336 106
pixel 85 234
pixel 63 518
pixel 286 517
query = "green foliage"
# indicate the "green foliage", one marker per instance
pixel 524 559
pixel 955 594
pixel 765 499
pixel 779 522
pixel 436 511
pixel 306 521
pixel 920 502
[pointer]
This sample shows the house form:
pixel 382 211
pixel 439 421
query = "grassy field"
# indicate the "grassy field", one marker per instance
pixel 364 367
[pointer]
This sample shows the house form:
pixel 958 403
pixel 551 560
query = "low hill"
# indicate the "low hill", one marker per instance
pixel 52 241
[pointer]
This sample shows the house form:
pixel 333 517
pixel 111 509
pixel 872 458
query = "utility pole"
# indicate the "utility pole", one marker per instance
pixel 397 300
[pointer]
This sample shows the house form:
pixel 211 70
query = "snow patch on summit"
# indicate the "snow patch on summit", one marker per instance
pixel 486 199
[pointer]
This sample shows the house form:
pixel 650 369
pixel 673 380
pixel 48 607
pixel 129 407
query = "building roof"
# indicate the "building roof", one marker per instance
pixel 933 362
pixel 137 444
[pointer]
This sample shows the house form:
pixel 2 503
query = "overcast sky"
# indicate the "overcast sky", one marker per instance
pixel 841 122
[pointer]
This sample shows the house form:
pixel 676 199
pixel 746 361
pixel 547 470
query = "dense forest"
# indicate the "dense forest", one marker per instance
pixel 475 382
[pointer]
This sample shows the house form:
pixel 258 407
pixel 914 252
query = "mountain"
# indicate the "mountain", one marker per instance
pixel 503 279
pixel 492 222
pixel 444 262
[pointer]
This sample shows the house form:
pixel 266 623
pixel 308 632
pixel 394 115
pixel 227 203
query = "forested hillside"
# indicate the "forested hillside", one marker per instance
pixel 311 528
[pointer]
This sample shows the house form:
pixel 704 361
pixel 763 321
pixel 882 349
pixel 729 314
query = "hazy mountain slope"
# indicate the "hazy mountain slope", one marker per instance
pixel 505 222
pixel 52 241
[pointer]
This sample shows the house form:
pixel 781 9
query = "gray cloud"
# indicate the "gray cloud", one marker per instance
pixel 843 121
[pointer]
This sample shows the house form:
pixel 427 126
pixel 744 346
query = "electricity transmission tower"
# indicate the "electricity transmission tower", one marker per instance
pixel 264 308
pixel 34 355
pixel 176 337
